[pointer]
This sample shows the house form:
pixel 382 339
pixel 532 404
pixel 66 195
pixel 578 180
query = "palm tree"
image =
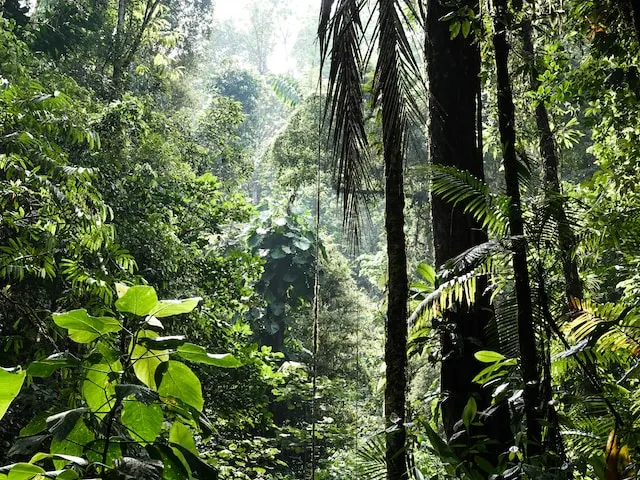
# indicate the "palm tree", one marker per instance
pixel 341 34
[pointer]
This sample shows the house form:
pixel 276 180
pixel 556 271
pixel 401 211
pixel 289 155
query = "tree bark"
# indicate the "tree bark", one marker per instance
pixel 526 333
pixel 455 139
pixel 395 353
pixel 635 11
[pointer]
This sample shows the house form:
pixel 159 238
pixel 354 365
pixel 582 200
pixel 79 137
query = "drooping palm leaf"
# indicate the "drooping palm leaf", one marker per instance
pixel 341 34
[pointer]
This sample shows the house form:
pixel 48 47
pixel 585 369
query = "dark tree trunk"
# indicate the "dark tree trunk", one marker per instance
pixel 635 11
pixel 566 237
pixel 395 352
pixel 526 333
pixel 453 68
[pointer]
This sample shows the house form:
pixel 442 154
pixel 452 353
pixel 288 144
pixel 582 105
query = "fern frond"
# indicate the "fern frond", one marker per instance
pixel 607 327
pixel 458 280
pixel 461 188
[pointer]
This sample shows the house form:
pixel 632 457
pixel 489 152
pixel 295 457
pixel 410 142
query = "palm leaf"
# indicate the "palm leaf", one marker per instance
pixel 340 34
pixel 472 194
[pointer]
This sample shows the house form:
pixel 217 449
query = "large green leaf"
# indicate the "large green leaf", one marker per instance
pixel 144 422
pixel 94 450
pixel 179 381
pixel 38 457
pixel 83 328
pixel 181 435
pixel 61 424
pixel 174 467
pixel 139 300
pixel 146 361
pixel 166 308
pixel 73 443
pixel 47 366
pixel 98 389
pixel 198 354
pixel 10 385
pixel 24 471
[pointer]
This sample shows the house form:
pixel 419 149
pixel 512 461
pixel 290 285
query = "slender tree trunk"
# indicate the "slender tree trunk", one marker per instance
pixel 398 285
pixel 455 139
pixel 635 11
pixel 526 333
pixel 548 152
pixel 118 51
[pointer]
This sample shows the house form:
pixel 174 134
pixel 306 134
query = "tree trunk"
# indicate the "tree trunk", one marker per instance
pixel 566 237
pixel 455 139
pixel 118 53
pixel 395 353
pixel 526 333
pixel 635 11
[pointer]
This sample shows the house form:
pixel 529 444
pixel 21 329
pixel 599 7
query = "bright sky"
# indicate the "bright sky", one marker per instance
pixel 281 60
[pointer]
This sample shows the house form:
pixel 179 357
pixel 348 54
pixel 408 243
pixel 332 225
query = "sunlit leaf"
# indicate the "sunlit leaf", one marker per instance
pixel 83 328
pixel 10 385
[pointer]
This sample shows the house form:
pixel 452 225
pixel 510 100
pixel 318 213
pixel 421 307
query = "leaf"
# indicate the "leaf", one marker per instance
pixel 146 361
pixel 144 422
pixel 198 354
pixel 174 468
pixel 162 342
pixel 138 300
pixel 154 322
pixel 469 412
pixel 10 385
pixel 24 471
pixel 181 435
pixel 167 308
pixel 302 243
pixel 180 382
pixel 486 356
pixel 83 328
pixel 427 272
pixel 46 368
pixel 36 425
pixel 466 28
pixel 24 446
pixel 61 424
pixel 141 393
pixel 199 466
pixel 95 448
pixel 38 457
pixel 454 28
pixel 98 390
pixel 131 468
pixel 67 475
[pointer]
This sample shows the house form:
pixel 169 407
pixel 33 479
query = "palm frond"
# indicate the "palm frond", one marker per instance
pixel 340 34
pixel 397 81
pixel 607 327
pixel 463 189
pixel 371 459
pixel 458 281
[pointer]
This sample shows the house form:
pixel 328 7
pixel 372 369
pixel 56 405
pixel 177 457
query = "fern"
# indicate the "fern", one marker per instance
pixel 461 188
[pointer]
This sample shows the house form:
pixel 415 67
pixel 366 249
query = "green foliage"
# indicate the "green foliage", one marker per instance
pixel 142 424
pixel 287 247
